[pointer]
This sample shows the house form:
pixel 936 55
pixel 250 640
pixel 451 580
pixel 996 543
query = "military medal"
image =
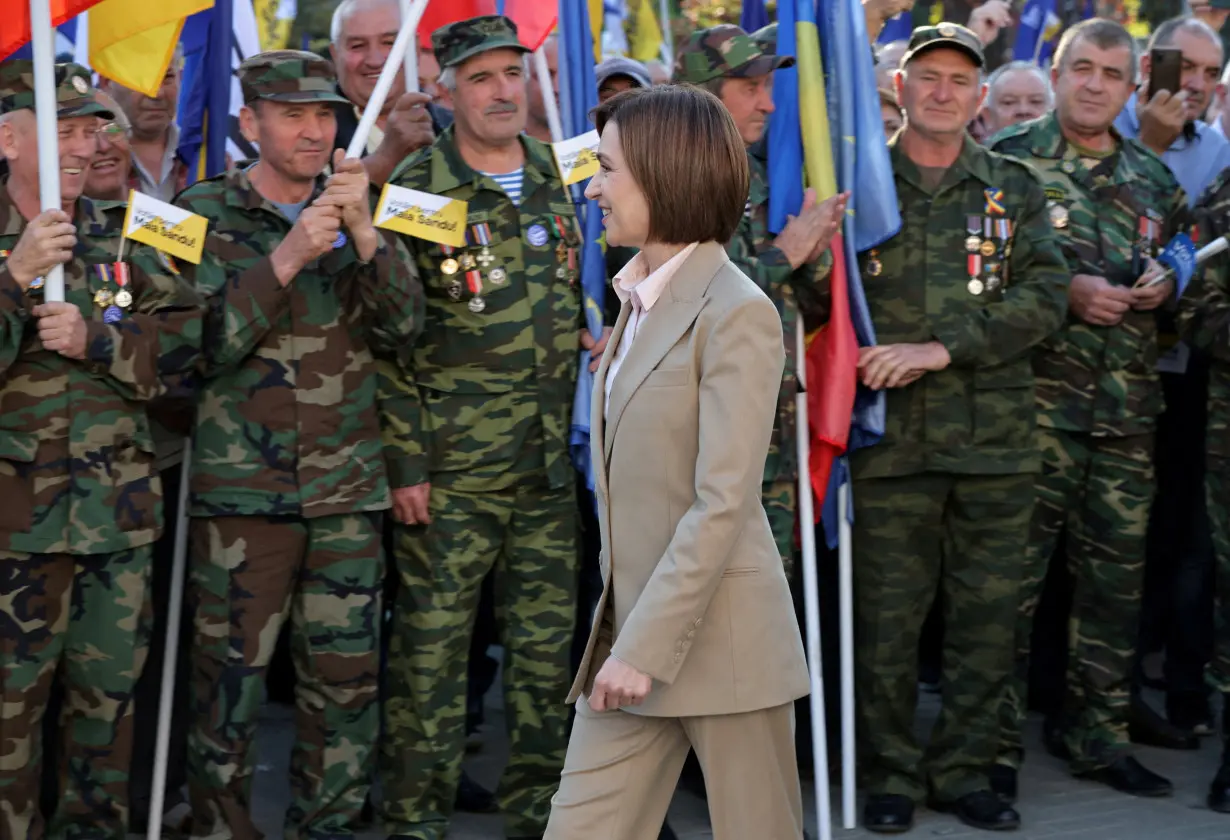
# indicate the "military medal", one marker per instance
pixel 1059 216
pixel 973 265
pixel 874 266
pixel 482 233
pixel 468 263
pixel 497 276
pixel 994 201
pixel 987 249
pixel 123 298
pixel 449 265
pixel 972 243
pixel 112 315
pixel 474 279
pixel 536 235
pixel 1068 166
pixel 454 290
pixel 103 298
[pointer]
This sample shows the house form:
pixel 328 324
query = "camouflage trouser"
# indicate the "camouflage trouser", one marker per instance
pixel 248 574
pixel 916 538
pixel 528 535
pixel 1217 486
pixel 1099 489
pixel 89 616
pixel 779 503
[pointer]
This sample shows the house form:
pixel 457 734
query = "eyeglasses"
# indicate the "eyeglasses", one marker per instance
pixel 114 131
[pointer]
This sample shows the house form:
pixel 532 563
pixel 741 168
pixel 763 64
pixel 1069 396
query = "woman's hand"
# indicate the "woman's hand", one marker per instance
pixel 618 684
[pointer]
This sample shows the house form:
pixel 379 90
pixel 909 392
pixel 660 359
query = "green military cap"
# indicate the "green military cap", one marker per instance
pixel 950 35
pixel 74 91
pixel 289 76
pixel 766 38
pixel 464 39
pixel 724 50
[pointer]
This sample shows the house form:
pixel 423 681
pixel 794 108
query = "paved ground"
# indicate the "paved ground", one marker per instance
pixel 1053 805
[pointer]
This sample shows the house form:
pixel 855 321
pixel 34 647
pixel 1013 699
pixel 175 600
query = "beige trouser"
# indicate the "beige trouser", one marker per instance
pixel 621 771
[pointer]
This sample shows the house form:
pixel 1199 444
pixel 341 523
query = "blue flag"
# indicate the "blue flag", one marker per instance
pixel 865 169
pixel 785 150
pixel 1041 25
pixel 897 28
pixel 754 15
pixel 579 95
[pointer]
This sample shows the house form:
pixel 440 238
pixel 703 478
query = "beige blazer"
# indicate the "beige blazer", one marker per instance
pixel 693 589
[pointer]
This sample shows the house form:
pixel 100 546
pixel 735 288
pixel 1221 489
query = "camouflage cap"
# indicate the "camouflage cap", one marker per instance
pixel 950 35
pixel 766 38
pixel 724 51
pixel 289 76
pixel 74 91
pixel 464 39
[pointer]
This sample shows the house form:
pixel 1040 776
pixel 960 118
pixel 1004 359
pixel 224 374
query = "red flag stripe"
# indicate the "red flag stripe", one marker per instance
pixel 534 18
pixel 832 379
pixel 16 15
pixel 443 12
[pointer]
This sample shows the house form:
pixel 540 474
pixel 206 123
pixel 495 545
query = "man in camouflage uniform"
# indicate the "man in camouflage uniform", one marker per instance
pixel 1204 322
pixel 482 466
pixel 288 479
pixel 80 499
pixel 1114 205
pixel 942 504
pixel 728 63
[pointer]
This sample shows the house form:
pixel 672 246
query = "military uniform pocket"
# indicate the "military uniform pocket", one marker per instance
pixel 17 451
pixel 135 497
pixel 1004 411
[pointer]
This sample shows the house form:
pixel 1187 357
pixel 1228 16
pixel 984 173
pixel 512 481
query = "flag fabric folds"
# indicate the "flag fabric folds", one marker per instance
pixel 785 148
pixel 215 42
pixel 897 28
pixel 645 43
pixel 580 88
pixel 443 12
pixel 16 16
pixel 534 18
pixel 1041 24
pixel 133 43
pixel 274 19
pixel 69 41
pixel 753 16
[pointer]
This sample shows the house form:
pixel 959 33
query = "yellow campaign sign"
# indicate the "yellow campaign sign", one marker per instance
pixel 577 158
pixel 165 227
pixel 422 215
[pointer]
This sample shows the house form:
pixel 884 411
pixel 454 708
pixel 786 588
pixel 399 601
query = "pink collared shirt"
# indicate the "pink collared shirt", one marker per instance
pixel 633 282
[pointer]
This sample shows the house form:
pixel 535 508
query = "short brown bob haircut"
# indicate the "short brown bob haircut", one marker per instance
pixel 686 155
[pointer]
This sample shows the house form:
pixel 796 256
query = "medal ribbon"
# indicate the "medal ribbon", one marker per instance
pixel 474 280
pixel 121 273
pixel 482 233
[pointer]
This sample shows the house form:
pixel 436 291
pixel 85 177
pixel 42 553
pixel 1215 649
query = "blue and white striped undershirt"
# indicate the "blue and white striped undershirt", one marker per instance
pixel 510 182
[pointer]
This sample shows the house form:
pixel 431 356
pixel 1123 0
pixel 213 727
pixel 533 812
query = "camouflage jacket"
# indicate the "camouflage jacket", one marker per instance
pixel 753 251
pixel 489 391
pixel 77 466
pixel 977 415
pixel 287 422
pixel 1097 379
pixel 1204 313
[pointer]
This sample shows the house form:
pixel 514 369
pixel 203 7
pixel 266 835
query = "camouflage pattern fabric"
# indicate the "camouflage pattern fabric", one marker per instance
pixel 976 416
pixel 1203 320
pixel 287 423
pixel 947 35
pixel 465 39
pixel 1217 489
pixel 917 538
pixel 77 465
pixel 74 90
pixel 490 388
pixel 484 385
pixel 780 501
pixel 248 576
pixel 1111 217
pixel 527 534
pixel 289 76
pixel 724 50
pixel 90 616
pixel 1099 489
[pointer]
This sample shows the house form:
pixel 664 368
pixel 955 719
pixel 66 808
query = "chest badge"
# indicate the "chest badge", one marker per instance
pixel 537 235
pixel 994 201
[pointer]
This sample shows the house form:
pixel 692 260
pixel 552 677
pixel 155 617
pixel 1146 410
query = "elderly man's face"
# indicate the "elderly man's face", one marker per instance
pixel 613 86
pixel 364 43
pixel 108 173
pixel 940 92
pixel 1017 96
pixel 78 140
pixel 489 102
pixel 151 115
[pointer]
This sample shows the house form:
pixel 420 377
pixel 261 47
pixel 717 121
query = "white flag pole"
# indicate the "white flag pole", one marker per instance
pixel 412 52
pixel 668 37
pixel 811 595
pixel 43 46
pixel 550 106
pixel 409 26
pixel 170 653
pixel 845 589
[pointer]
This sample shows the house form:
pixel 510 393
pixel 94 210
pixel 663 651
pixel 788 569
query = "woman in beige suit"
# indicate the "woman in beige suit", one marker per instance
pixel 694 641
